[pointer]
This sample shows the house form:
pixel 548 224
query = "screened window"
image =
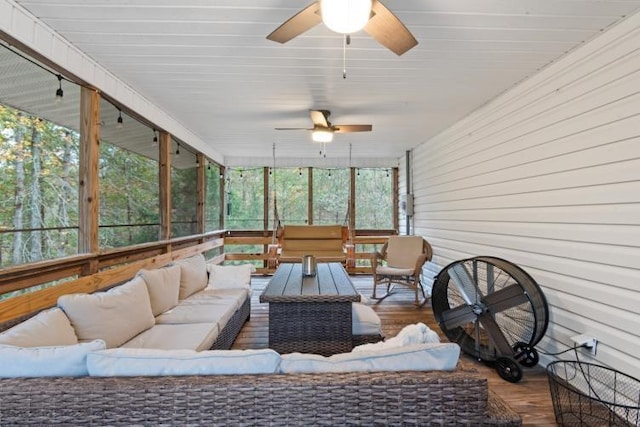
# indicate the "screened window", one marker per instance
pixel 38 162
pixel 291 186
pixel 374 199
pixel 330 196
pixel 212 201
pixel 245 201
pixel 184 191
pixel 128 181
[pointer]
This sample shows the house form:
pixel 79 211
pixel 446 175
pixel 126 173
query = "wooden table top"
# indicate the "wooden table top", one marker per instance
pixel 330 284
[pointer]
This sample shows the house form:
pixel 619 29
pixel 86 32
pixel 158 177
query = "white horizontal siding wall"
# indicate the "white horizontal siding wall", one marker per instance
pixel 548 176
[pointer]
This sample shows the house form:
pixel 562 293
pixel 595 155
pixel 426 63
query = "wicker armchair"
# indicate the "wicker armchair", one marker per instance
pixel 400 262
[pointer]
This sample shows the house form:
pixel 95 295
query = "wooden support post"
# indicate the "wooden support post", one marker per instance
pixel 396 201
pixel 200 192
pixel 165 186
pixel 88 176
pixel 352 202
pixel 310 196
pixel 223 198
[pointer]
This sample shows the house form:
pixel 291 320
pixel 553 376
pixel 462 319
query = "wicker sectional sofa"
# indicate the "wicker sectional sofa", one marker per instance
pixel 266 397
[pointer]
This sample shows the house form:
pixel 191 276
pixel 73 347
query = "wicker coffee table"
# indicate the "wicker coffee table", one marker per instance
pixel 310 314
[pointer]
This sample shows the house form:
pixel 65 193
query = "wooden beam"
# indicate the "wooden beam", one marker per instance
pixel 201 191
pixel 310 195
pixel 396 200
pixel 223 197
pixel 265 199
pixel 165 185
pixel 88 175
pixel 352 199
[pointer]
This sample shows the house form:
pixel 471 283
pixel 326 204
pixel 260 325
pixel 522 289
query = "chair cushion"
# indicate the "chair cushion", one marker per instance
pixel 114 316
pixel 151 362
pixel 163 285
pixel 190 336
pixel 417 357
pixel 193 275
pixel 403 251
pixel 364 320
pixel 385 270
pixel 56 361
pixel 47 328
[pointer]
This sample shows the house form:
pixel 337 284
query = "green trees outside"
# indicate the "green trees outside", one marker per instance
pixel 330 196
pixel 129 190
pixel 38 188
pixel 374 199
pixel 245 204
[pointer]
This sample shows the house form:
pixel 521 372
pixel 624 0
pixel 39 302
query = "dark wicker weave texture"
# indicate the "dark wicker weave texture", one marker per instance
pixel 381 398
pixel 229 333
pixel 321 328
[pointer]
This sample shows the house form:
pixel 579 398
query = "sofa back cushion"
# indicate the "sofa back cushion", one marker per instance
pixel 57 361
pixel 114 316
pixel 154 362
pixel 417 357
pixel 47 328
pixel 163 285
pixel 193 275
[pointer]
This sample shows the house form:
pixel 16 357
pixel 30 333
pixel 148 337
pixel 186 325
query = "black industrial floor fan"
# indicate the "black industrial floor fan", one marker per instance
pixel 494 310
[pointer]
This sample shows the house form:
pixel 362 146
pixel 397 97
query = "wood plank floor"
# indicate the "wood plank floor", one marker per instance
pixel 530 397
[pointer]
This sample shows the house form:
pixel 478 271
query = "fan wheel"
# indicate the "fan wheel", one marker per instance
pixel 493 309
pixel 508 369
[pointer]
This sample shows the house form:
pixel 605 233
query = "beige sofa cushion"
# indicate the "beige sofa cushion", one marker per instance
pixel 114 316
pixel 55 361
pixel 163 285
pixel 236 297
pixel 214 313
pixel 151 362
pixel 193 275
pixel 417 357
pixel 190 336
pixel 47 328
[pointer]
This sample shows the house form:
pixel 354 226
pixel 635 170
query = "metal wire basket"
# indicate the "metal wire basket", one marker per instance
pixel 585 394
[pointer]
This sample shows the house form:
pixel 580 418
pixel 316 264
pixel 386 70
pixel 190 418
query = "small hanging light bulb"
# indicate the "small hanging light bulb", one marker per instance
pixel 119 121
pixel 154 143
pixel 208 166
pixel 59 91
pixel 177 148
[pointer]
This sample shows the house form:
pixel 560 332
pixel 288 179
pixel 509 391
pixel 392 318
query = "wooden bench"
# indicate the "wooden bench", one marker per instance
pixel 325 242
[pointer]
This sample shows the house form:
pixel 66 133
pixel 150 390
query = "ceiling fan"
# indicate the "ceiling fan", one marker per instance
pixel 323 130
pixel 378 21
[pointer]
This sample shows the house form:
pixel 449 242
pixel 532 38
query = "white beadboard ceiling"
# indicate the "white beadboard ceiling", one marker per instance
pixel 208 64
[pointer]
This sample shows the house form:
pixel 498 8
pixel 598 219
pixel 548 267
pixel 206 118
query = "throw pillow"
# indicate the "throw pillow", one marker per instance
pixel 410 334
pixel 230 276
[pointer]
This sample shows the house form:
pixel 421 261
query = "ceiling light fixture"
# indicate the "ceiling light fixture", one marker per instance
pixel 59 92
pixel 345 16
pixel 322 135
pixel 119 121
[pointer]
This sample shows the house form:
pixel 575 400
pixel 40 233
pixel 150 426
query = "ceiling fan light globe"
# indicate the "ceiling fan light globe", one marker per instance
pixel 345 16
pixel 322 136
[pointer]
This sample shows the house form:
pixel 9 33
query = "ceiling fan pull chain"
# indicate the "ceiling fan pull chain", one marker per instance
pixel 344 55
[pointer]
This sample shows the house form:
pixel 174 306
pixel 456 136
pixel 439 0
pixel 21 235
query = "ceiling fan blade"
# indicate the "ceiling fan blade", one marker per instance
pixel 319 118
pixel 352 128
pixel 302 21
pixel 388 30
pixel 292 129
